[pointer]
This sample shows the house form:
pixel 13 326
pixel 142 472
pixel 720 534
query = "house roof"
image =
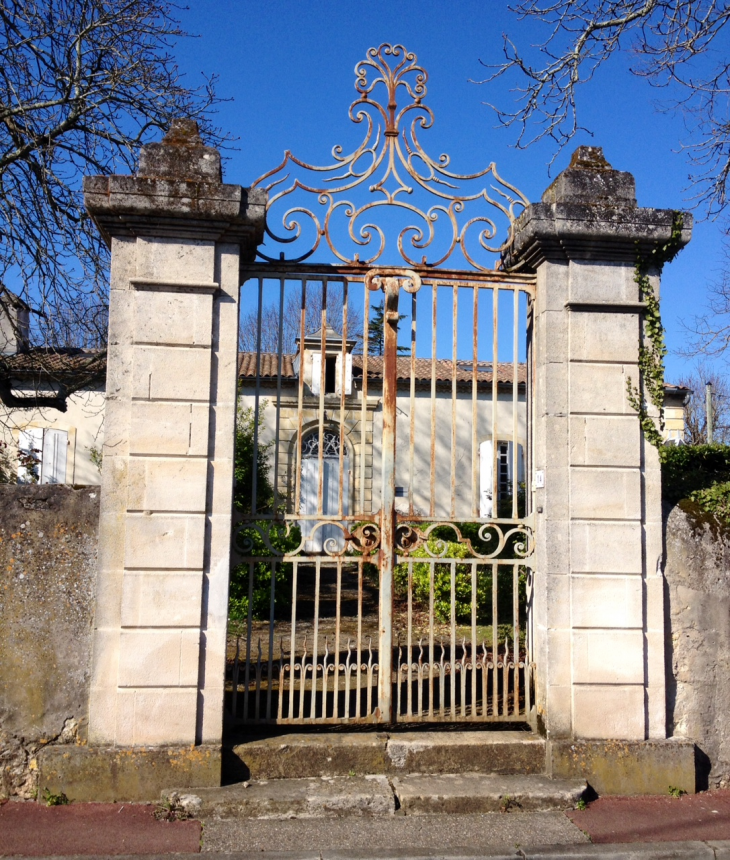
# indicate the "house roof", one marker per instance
pixel 269 362
pixel 48 361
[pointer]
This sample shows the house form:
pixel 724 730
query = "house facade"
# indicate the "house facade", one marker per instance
pixel 66 447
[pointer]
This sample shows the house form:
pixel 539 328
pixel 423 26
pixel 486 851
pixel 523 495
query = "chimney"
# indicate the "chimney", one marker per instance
pixel 14 323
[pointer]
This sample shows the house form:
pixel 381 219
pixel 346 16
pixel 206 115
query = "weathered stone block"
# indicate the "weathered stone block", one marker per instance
pixel 176 484
pixel 159 658
pixel 164 599
pixel 607 547
pixel 608 711
pixel 606 601
pixel 169 373
pixel 559 644
pixel 625 767
pixel 48 541
pixel 604 337
pixel 605 441
pixel 106 657
pixel 172 318
pixel 156 716
pixel 169 428
pixel 159 541
pixel 110 774
pixel 602 282
pixel 608 657
pixel 601 388
pixel 103 713
pixel 610 494
pixel 191 260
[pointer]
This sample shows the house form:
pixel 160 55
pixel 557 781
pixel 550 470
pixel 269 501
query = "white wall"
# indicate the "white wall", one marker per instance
pixel 466 490
pixel 83 421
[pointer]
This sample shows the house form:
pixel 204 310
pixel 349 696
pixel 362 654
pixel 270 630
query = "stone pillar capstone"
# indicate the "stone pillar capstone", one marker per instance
pixel 178 236
pixel 599 599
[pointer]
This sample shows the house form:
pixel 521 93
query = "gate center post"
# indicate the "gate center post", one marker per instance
pixel 391 288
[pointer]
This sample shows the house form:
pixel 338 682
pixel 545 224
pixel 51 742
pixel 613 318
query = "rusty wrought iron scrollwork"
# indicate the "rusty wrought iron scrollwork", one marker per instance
pixel 496 536
pixel 390 164
pixel 363 540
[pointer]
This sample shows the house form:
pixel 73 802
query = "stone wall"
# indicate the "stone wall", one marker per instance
pixel 48 539
pixel 697 572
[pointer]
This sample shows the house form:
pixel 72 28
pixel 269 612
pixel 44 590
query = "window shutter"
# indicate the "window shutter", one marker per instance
pixel 53 464
pixel 308 500
pixel 330 499
pixel 316 372
pixel 486 483
pixel 348 373
pixel 30 443
pixel 338 374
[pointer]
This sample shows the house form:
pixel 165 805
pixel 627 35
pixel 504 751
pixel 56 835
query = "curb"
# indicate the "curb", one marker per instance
pixel 710 850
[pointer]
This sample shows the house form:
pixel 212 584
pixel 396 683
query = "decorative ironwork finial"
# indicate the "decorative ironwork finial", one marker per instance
pixel 392 164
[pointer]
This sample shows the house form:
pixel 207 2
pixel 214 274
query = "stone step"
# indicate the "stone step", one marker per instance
pixel 297 756
pixel 476 792
pixel 376 795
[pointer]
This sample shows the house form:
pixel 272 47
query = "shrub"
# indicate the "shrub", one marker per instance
pixel 688 469
pixel 251 534
pixel 463 578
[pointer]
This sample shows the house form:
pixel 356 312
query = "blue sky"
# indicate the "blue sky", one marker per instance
pixel 288 68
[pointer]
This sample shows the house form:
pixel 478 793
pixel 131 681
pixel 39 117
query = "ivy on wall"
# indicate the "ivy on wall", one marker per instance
pixel 652 349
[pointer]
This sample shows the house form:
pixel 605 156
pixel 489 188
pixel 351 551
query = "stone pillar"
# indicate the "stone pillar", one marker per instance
pixel 599 602
pixel 177 236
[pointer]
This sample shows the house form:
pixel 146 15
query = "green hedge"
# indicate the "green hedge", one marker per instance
pixel 689 469
pixel 699 477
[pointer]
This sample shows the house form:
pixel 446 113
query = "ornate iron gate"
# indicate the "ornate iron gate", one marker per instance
pixel 382 569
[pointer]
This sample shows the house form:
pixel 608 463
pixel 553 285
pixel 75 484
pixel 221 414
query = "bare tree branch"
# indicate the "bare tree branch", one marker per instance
pixel 695 412
pixel 83 83
pixel 674 43
pixel 248 333
pixel 709 332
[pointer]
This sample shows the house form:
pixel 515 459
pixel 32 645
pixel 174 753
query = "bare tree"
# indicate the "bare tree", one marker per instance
pixel 709 332
pixel 83 83
pixel 291 315
pixel 695 412
pixel 666 38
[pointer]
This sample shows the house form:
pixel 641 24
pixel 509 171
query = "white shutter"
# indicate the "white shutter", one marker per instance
pixel 348 374
pixel 330 500
pixel 308 500
pixel 53 464
pixel 316 372
pixel 30 443
pixel 338 373
pixel 345 486
pixel 486 484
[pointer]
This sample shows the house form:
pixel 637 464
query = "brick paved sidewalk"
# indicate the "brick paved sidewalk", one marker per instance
pixel 703 816
pixel 34 830
pixel 104 829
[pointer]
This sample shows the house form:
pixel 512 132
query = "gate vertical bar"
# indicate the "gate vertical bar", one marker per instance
pixel 387 529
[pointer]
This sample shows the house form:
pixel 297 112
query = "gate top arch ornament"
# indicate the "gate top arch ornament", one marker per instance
pixel 388 159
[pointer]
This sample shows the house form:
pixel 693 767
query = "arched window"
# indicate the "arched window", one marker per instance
pixel 332 482
pixel 331 444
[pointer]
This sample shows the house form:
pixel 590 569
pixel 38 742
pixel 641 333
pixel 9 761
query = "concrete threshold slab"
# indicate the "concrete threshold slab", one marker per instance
pixel 300 755
pixel 475 792
pixel 320 797
pixel 326 797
